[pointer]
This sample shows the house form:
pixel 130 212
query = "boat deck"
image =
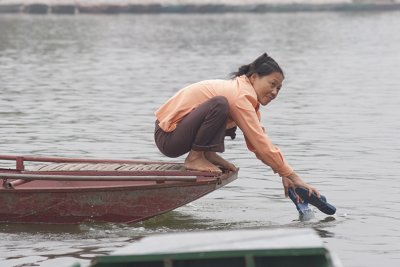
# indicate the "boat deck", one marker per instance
pixel 132 167
pixel 63 173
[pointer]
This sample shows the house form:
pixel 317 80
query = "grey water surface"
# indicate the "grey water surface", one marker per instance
pixel 87 86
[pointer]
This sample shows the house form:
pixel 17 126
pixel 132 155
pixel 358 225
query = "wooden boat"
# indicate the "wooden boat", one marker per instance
pixel 71 191
pixel 235 248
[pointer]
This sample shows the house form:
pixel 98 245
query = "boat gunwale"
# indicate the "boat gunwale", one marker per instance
pixel 157 182
pixel 76 160
pixel 99 189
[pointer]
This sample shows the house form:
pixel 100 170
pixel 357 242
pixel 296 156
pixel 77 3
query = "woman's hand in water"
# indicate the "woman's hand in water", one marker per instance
pixel 293 181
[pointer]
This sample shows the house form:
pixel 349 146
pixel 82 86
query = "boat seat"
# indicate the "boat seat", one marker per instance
pixel 108 167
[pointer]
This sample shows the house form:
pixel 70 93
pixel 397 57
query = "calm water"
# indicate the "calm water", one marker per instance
pixel 87 86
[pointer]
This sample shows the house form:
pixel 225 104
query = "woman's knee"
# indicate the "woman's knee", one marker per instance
pixel 172 150
pixel 221 103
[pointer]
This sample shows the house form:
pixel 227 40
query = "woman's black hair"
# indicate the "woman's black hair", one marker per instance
pixel 263 65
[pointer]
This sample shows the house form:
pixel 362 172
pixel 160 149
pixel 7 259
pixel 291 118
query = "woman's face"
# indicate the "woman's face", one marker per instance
pixel 266 87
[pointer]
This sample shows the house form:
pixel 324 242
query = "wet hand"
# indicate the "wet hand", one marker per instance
pixel 293 181
pixel 287 183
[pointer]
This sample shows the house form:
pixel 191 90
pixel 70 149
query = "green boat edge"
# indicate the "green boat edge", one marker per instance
pixel 246 258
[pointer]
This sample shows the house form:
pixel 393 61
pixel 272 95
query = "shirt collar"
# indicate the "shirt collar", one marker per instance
pixel 248 88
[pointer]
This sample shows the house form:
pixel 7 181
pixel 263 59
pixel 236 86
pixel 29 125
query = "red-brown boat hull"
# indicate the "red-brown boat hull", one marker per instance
pixel 72 202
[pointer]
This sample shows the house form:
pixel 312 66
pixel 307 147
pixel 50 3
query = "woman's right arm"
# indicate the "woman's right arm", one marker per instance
pixel 246 118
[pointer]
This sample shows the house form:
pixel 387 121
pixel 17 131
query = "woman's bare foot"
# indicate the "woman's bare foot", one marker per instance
pixel 196 161
pixel 216 159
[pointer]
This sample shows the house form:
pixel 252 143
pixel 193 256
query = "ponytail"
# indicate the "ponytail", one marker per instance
pixel 263 65
pixel 242 70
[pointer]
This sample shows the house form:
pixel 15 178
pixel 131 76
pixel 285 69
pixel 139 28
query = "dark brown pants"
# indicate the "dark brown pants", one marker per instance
pixel 203 129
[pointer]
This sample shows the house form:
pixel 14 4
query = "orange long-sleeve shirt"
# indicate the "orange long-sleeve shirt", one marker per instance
pixel 243 112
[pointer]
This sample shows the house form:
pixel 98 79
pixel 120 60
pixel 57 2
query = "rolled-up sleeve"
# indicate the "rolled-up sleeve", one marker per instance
pixel 245 116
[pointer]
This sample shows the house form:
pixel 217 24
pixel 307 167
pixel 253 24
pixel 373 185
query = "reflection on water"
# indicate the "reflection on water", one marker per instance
pixel 87 86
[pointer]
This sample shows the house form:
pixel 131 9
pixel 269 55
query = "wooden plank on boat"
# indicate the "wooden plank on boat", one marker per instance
pixel 107 167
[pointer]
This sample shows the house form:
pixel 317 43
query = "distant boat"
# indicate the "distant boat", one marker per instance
pixel 75 190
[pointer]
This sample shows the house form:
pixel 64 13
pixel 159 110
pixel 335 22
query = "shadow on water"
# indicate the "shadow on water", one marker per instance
pixel 173 221
pixel 169 222
pixel 40 228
